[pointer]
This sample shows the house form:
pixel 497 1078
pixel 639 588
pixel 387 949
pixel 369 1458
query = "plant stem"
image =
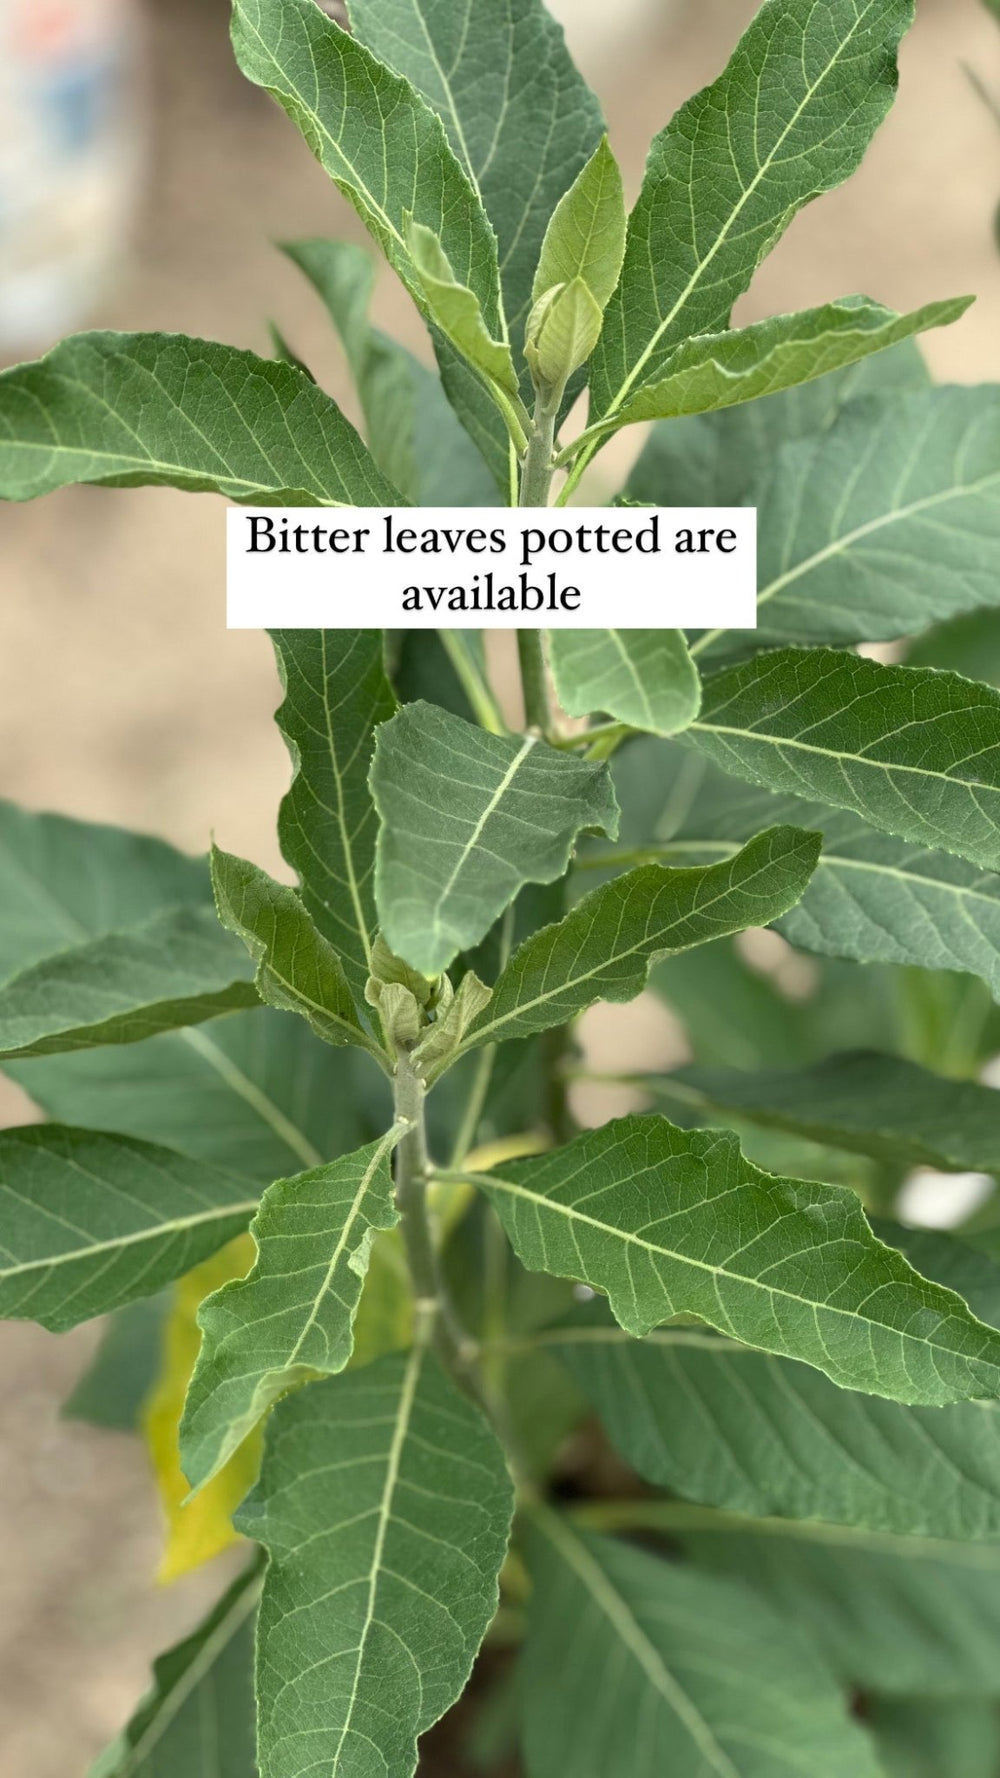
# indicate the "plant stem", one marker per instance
pixel 436 1320
pixel 472 1115
pixel 537 469
pixel 533 681
pixel 472 682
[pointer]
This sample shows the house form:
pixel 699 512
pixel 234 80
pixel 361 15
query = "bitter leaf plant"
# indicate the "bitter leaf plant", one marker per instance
pixel 670 1424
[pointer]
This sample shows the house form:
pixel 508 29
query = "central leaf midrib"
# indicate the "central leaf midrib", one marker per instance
pixel 640 949
pixel 477 832
pixel 619 1614
pixel 839 545
pixel 411 1379
pixel 571 1213
pixel 388 1142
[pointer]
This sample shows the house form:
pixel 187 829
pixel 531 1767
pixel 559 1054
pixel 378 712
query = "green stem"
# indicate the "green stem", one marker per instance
pixel 435 1318
pixel 533 680
pixel 473 684
pixel 472 1115
pixel 537 469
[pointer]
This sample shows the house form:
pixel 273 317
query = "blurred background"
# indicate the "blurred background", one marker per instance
pixel 142 185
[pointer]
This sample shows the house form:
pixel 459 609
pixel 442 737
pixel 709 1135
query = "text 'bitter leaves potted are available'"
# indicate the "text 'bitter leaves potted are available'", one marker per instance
pixel 734 1507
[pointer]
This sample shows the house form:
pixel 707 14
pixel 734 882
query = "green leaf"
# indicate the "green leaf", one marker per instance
pixel 255 1093
pixel 872 898
pixel 385 1504
pixel 720 458
pixel 177 968
pixel 586 235
pixel 297 970
pixel 113 1389
pixel 519 116
pixel 199 1716
pixel 895 1614
pixel 563 330
pixel 720 1424
pixel 64 881
pixel 790 118
pixel 671 1222
pixel 605 947
pixel 92 1221
pixel 719 370
pixel 412 431
pixel 458 312
pixel 467 819
pixel 292 1315
pixel 885 523
pixel 336 694
pixel 916 1739
pixel 645 678
pixel 876 1105
pixel 915 753
pixel 628 1657
pixel 130 410
pixel 388 153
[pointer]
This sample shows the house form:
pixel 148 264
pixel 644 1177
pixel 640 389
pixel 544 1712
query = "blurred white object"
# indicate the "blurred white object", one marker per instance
pixel 930 1200
pixel 600 24
pixel 67 160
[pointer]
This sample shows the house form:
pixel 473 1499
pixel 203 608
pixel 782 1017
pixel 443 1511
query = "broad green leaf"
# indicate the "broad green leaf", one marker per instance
pixel 134 409
pixel 645 678
pixel 113 1388
pixel 198 1528
pixel 456 310
pixel 254 1093
pixel 412 432
pixel 915 753
pixel 718 1423
pixel 467 819
pixel 297 970
pixel 586 235
pixel 895 1614
pixel 669 1222
pixel 198 1718
pixel 519 116
pixel 91 1221
pixel 388 153
pixel 292 1315
pixel 336 694
pixel 177 968
pixel 385 1503
pixel 719 370
pixel 722 457
pixel 885 523
pixel 877 1105
pixel 789 119
pixel 631 1661
pixel 872 898
pixel 605 947
pixel 941 1739
pixel 64 881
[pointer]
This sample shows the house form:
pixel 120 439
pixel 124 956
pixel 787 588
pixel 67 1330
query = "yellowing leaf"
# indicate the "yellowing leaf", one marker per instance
pixel 384 1321
pixel 203 1527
